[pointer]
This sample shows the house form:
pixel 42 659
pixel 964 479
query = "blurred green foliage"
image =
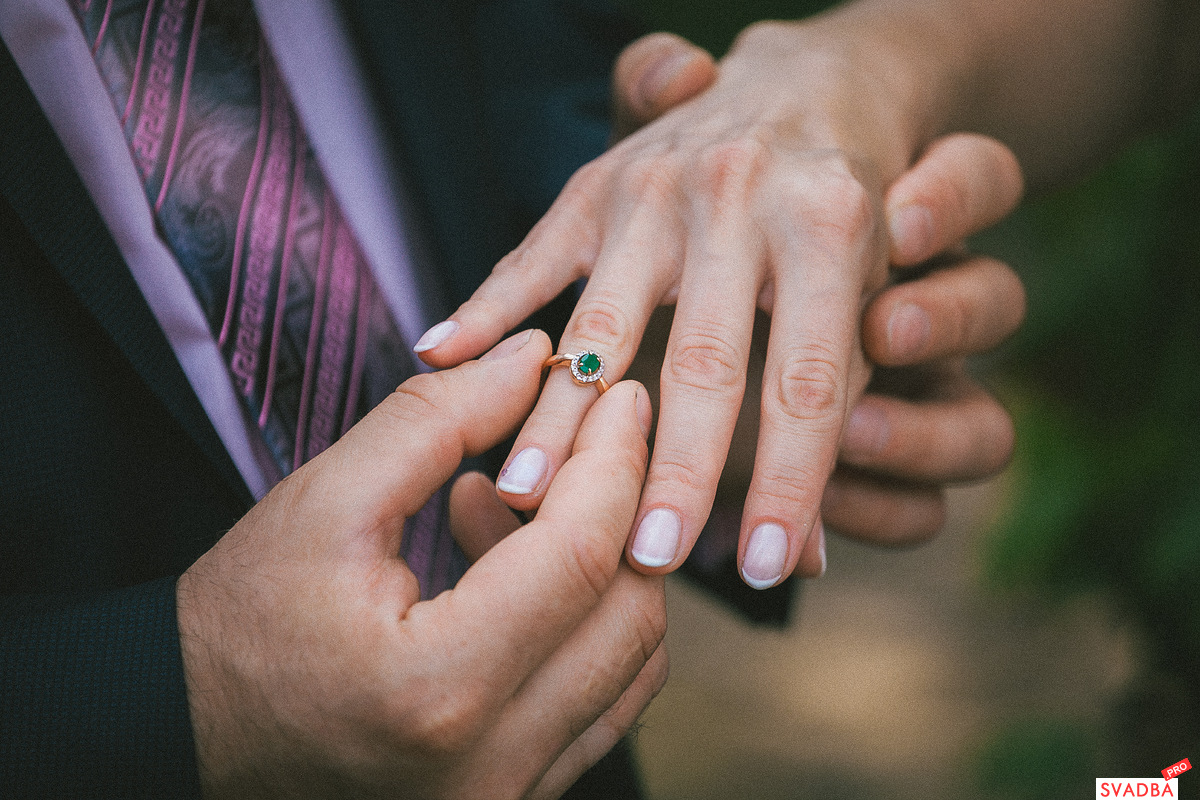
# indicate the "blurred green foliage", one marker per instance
pixel 1038 760
pixel 1104 383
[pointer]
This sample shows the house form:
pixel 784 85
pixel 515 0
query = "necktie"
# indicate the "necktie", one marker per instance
pixel 241 202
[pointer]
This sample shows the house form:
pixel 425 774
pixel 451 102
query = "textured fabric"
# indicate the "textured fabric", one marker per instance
pixel 48 740
pixel 241 202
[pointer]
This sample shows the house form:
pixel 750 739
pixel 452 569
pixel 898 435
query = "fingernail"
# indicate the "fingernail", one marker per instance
pixel 655 79
pixel 911 227
pixel 866 432
pixel 657 538
pixel 908 331
pixel 821 546
pixel 509 346
pixel 436 335
pixel 524 472
pixel 765 556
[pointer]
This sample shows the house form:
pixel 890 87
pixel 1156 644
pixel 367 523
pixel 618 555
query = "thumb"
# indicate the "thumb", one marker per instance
pixel 653 75
pixel 390 463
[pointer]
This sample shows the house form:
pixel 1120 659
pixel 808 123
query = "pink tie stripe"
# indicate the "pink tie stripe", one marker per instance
pixel 159 91
pixel 137 64
pixel 265 236
pixel 335 335
pixel 314 331
pixel 260 151
pixel 289 243
pixel 103 26
pixel 185 93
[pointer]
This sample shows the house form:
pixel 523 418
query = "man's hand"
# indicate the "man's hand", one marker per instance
pixel 924 423
pixel 312 668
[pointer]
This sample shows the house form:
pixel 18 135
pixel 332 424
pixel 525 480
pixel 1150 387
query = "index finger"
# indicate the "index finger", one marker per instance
pixel 519 602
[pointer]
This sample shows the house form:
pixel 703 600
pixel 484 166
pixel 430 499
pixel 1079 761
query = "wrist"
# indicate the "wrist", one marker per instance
pixel 891 80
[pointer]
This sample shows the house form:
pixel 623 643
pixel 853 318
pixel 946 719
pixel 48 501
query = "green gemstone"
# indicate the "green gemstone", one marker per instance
pixel 589 364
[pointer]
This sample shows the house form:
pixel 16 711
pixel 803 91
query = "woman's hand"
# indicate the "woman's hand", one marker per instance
pixel 764 191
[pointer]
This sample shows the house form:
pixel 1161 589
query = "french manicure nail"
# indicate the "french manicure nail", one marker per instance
pixel 866 432
pixel 524 472
pixel 766 554
pixel 908 331
pixel 509 346
pixel 821 546
pixel 657 538
pixel 436 335
pixel 911 228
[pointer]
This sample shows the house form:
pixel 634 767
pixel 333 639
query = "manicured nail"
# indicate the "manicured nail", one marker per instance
pixel 765 556
pixel 436 335
pixel 509 346
pixel 908 331
pixel 821 546
pixel 866 432
pixel 659 76
pixel 657 538
pixel 911 227
pixel 524 472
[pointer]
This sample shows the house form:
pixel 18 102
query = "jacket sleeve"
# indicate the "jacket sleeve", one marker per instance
pixel 94 702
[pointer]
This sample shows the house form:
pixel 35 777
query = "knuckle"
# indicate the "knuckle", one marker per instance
pixel 653 180
pixel 606 680
pixel 589 565
pixel 659 673
pixel 441 726
pixel 810 385
pixel 728 169
pixel 419 404
pixel 514 264
pixel 706 361
pixel 420 399
pixel 672 469
pixel 790 485
pixel 653 625
pixel 832 199
pixel 603 322
pixel 586 183
pixel 963 322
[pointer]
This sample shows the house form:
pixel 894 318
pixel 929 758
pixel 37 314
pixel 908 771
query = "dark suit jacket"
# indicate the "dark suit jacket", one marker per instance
pixel 112 479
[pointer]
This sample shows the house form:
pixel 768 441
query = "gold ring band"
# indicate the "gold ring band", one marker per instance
pixel 587 368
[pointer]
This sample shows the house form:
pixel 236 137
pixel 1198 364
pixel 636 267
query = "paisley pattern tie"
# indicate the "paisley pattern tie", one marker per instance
pixel 241 202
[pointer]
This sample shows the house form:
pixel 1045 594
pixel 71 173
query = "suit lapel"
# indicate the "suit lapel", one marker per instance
pixel 38 181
